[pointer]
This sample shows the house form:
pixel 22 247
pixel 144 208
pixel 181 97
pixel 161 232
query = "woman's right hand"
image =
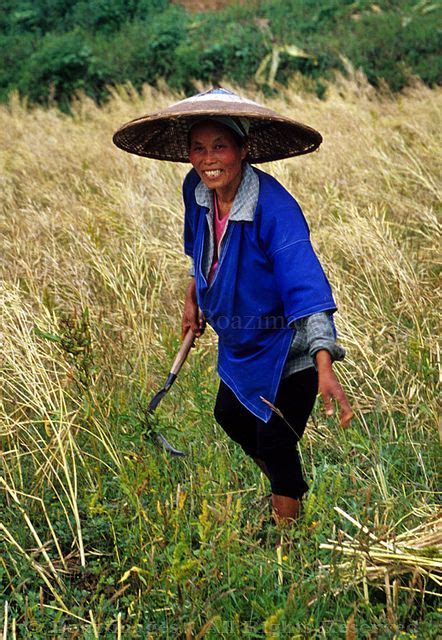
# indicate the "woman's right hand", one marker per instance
pixel 191 317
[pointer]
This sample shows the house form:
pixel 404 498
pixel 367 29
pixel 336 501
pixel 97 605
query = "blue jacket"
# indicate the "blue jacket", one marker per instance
pixel 268 276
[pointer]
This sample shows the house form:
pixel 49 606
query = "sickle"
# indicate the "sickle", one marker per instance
pixel 175 369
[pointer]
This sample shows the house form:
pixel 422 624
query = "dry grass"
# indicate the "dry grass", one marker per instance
pixel 417 550
pixel 85 226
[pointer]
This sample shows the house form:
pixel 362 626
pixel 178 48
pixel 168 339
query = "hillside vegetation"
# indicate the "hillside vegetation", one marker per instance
pixel 104 535
pixel 50 49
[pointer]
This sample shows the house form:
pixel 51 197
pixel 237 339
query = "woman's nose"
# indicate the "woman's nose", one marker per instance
pixel 209 156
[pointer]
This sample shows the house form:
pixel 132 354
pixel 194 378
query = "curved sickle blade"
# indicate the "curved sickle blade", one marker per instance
pixel 173 452
pixel 177 364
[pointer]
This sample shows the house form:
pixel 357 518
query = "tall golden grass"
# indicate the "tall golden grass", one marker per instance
pixel 86 226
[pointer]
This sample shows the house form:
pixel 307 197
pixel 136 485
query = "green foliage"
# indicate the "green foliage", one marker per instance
pixel 62 65
pixel 392 46
pixel 75 341
pixel 234 49
pixel 156 51
pixel 52 48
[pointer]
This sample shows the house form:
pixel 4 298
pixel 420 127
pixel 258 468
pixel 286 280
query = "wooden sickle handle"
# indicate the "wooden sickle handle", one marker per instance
pixel 183 352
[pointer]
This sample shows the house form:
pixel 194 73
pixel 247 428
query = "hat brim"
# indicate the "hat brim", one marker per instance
pixel 164 135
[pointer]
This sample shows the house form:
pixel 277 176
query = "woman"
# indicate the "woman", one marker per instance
pixel 255 277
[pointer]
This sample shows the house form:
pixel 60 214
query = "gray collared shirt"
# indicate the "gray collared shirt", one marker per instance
pixel 314 332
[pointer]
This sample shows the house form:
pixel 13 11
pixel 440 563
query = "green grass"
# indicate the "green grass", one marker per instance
pixel 103 534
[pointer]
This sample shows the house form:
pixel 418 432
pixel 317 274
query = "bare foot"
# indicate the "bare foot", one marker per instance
pixel 285 509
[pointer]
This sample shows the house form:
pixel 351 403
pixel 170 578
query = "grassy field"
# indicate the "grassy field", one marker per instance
pixel 103 535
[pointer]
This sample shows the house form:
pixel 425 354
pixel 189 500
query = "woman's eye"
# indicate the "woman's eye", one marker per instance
pixel 219 146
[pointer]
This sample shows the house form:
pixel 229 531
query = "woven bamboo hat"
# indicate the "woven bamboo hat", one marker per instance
pixel 164 135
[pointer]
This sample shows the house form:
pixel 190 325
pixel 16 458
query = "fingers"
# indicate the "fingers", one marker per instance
pixel 202 324
pixel 185 326
pixel 194 321
pixel 346 419
pixel 197 329
pixel 198 324
pixel 336 392
pixel 346 413
pixel 327 398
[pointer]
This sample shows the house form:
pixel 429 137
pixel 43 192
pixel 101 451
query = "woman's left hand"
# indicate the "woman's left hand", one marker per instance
pixel 330 389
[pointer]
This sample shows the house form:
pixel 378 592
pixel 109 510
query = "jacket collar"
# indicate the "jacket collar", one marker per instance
pixel 246 198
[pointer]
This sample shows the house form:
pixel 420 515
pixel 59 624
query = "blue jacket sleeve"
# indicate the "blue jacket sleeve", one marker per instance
pixel 301 281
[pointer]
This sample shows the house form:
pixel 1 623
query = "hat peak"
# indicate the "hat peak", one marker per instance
pixel 217 90
pixel 217 94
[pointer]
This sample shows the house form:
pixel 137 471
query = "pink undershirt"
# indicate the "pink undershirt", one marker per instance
pixel 218 227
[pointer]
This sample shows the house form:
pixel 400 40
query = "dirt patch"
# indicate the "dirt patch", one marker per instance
pixel 207 5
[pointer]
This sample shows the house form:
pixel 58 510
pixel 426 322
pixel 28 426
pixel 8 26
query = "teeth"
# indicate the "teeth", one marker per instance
pixel 213 174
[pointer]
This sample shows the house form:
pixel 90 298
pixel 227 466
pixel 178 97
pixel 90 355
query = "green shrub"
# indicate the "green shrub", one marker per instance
pixel 389 46
pixel 61 65
pixel 15 52
pixel 55 47
pixel 217 48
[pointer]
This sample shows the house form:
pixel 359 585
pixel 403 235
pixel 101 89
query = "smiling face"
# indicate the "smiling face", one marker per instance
pixel 217 158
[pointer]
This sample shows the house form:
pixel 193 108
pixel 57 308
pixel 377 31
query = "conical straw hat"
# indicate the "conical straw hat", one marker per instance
pixel 164 135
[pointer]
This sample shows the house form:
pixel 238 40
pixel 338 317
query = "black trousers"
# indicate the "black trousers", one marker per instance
pixel 275 441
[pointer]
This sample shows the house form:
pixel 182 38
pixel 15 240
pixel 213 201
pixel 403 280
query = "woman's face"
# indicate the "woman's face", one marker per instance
pixel 216 156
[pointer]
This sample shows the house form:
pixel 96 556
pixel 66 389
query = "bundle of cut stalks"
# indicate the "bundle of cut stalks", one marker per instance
pixel 376 559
